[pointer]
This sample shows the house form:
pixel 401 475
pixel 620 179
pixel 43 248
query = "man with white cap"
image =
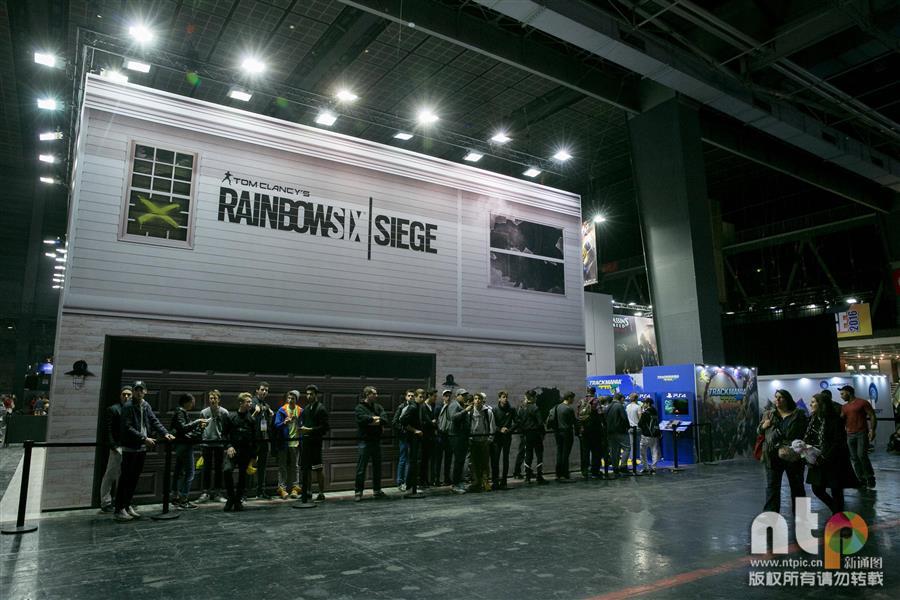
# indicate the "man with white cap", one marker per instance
pixel 287 424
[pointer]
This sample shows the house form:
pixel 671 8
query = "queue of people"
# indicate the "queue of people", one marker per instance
pixel 460 441
pixel 830 446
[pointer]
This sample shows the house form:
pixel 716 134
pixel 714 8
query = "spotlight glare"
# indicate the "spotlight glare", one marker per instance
pixel 326 118
pixel 49 254
pixel 599 218
pixel 346 96
pixel 49 241
pixel 47 180
pixel 134 65
pixel 253 65
pixel 532 172
pixel 852 301
pixel 47 103
pixel 500 138
pixel 240 95
pixel 45 58
pixel 47 158
pixel 400 135
pixel 50 135
pixel 562 156
pixel 141 33
pixel 114 76
pixel 426 116
pixel 473 157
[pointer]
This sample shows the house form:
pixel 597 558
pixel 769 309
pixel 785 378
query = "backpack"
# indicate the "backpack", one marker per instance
pixel 398 415
pixel 654 427
pixel 552 423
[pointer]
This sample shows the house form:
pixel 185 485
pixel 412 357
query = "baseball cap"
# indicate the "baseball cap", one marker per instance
pixel 446 392
pixel 139 384
pixel 847 388
pixel 294 393
pixel 125 388
pixel 312 388
pixel 462 392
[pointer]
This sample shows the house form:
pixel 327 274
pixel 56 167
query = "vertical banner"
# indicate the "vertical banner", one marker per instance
pixel 589 252
pixel 635 339
pixel 854 322
pixel 727 399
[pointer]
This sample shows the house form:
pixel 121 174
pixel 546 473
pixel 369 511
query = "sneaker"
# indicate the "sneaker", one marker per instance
pixel 188 505
pixel 295 492
pixel 204 497
pixel 134 513
pixel 221 499
pixel 378 494
pixel 402 487
pixel 459 489
pixel 357 497
pixel 122 516
pixel 107 508
pixel 178 505
pixel 320 497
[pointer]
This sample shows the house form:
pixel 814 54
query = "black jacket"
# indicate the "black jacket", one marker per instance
pixel 183 428
pixel 114 424
pixel 239 430
pixel 528 418
pixel 131 424
pixel 315 417
pixel 561 418
pixel 504 417
pixel 616 418
pixel 645 423
pixel 781 432
pixel 416 417
pixel 365 426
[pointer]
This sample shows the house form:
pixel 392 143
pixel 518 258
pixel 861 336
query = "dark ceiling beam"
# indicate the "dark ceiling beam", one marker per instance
pixel 804 234
pixel 541 107
pixel 514 49
pixel 801 34
pixel 761 148
pixel 350 34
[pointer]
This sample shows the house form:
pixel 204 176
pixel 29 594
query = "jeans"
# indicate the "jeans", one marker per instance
pixel 479 450
pixel 132 466
pixel 633 447
pixel 239 462
pixel 442 459
pixel 859 455
pixel 183 474
pixel 651 444
pixel 500 449
pixel 111 476
pixel 288 468
pixel 564 441
pixel 262 461
pixel 427 457
pixel 774 473
pixel 520 457
pixel 213 456
pixel 369 450
pixel 589 443
pixel 460 448
pixel 619 450
pixel 414 446
pixel 402 462
pixel 534 454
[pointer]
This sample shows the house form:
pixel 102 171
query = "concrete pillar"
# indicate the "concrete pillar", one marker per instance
pixel 890 224
pixel 677 232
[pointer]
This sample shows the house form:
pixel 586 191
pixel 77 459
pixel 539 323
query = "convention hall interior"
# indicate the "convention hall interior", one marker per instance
pixel 528 299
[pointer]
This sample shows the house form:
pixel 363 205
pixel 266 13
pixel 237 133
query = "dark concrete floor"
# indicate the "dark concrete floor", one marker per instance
pixel 682 535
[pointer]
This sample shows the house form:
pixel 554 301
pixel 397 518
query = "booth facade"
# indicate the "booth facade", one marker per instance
pixel 211 246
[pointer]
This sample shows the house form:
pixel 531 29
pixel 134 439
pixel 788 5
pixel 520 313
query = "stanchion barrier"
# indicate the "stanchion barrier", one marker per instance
pixel 675 468
pixel 23 494
pixel 165 515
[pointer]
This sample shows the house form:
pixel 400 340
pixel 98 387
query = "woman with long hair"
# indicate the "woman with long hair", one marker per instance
pixel 781 426
pixel 832 468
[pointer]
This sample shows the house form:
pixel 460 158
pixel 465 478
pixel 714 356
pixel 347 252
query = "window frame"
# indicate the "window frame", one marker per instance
pixel 123 235
pixel 490 249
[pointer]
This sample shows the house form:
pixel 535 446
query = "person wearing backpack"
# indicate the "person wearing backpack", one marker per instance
pixel 409 400
pixel 650 434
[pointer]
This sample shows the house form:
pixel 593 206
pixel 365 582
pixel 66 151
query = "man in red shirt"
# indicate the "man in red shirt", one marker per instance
pixel 859 421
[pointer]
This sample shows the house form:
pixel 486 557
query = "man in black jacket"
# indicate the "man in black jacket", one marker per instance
pixel 617 427
pixel 240 438
pixel 263 417
pixel 138 423
pixel 313 426
pixel 187 431
pixel 415 420
pixel 459 438
pixel 532 427
pixel 505 422
pixel 429 439
pixel 113 438
pixel 443 442
pixel 563 419
pixel 370 420
pixel 590 434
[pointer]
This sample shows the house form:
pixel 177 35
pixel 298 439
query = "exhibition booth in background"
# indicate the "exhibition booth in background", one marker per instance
pixel 875 388
pixel 715 409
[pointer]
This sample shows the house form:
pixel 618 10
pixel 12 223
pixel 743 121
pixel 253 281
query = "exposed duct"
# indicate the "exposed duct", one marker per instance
pixel 586 27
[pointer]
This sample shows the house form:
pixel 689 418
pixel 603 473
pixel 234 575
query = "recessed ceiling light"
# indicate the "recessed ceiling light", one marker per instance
pixel 500 138
pixel 45 58
pixel 532 172
pixel 253 65
pixel 141 33
pixel 562 156
pixel 631 303
pixel 49 254
pixel 62 250
pixel 46 103
pixel 403 136
pixel 326 117
pixel 49 241
pixel 47 158
pixel 50 135
pixel 56 287
pixel 811 306
pixel 852 300
pixel 47 180
pixel 240 95
pixel 114 76
pixel 61 259
pixel 59 267
pixel 135 65
pixel 346 96
pixel 473 157
pixel 639 314
pixel 426 116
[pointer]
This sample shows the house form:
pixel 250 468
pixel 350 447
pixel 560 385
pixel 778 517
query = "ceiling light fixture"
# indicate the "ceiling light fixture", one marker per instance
pixel 47 180
pixel 326 118
pixel 45 58
pixel 50 135
pixel 598 218
pixel 852 301
pixel 639 314
pixel 400 135
pixel 346 96
pixel 500 138
pixel 135 65
pixel 562 155
pixel 49 241
pixel 46 104
pixel 114 76
pixel 49 254
pixel 59 267
pixel 426 116
pixel 141 34
pixel 240 95
pixel 532 172
pixel 47 158
pixel 253 65
pixel 473 157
